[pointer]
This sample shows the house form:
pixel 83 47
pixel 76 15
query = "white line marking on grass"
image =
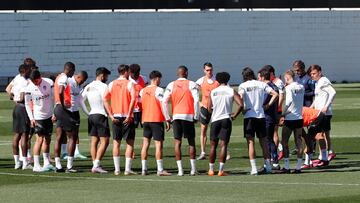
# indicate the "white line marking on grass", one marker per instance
pixel 188 181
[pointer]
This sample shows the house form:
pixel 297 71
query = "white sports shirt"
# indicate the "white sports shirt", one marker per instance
pixel 201 80
pixel 42 99
pixel 222 99
pixel 75 94
pixel 279 84
pixel 324 94
pixel 294 100
pixel 94 92
pixel 253 94
pixel 19 85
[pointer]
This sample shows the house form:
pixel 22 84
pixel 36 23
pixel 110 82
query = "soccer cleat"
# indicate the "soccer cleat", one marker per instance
pixel 222 173
pixel 254 173
pixel 70 170
pixel 144 173
pixel 163 173
pixel 296 171
pixel 307 166
pixel 131 172
pixel 48 168
pixel 80 156
pixel 264 171
pixel 59 170
pixel 98 170
pixel 202 156
pixel 285 171
pixel 27 167
pixel 180 173
pixel 116 173
pixel 281 155
pixel 276 167
pixel 211 173
pixel 18 165
pixel 322 163
pixel 37 169
pixel 228 157
pixel 331 156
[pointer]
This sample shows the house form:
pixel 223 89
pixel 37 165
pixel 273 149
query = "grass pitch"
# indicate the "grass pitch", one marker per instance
pixel 340 181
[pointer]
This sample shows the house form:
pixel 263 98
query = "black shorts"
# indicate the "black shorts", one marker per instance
pixel 98 125
pixel 221 129
pixel 155 130
pixel 327 123
pixel 70 121
pixel 137 119
pixel 204 116
pixel 294 124
pixel 254 125
pixel 183 128
pixel 120 131
pixel 321 124
pixel 270 128
pixel 44 127
pixel 21 122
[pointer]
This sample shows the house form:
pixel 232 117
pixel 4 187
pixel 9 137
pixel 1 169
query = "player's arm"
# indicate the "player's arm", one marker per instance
pixel 82 100
pixel 132 105
pixel 106 97
pixel 195 93
pixel 240 105
pixel 274 97
pixel 9 88
pixel 331 92
pixel 28 100
pixel 165 102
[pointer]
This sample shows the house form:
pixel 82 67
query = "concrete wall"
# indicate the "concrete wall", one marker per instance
pixel 230 40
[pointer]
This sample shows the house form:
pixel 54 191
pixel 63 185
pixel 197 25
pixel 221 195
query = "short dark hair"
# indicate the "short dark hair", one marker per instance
pixel 102 70
pixel 155 74
pixel 83 74
pixel 248 74
pixel 300 64
pixel 314 67
pixel 270 68
pixel 265 73
pixel 123 68
pixel 222 77
pixel 35 74
pixel 29 61
pixel 208 64
pixel 183 68
pixel 135 68
pixel 23 68
pixel 69 65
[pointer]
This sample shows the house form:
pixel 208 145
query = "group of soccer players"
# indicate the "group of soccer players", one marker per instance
pixel 303 102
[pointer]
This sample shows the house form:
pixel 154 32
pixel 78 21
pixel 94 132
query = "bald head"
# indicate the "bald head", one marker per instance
pixel 182 72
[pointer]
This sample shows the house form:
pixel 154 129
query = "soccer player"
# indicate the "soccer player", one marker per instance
pixel 153 119
pixel 280 85
pixel 98 125
pixel 206 84
pixel 184 97
pixel 70 97
pixel 253 93
pixel 39 93
pixel 293 120
pixel 324 96
pixel 270 116
pixel 140 82
pixel 305 80
pixel 121 93
pixel 221 103
pixel 21 122
pixel 61 83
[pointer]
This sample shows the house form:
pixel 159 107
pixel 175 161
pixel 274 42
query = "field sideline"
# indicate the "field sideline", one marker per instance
pixel 338 182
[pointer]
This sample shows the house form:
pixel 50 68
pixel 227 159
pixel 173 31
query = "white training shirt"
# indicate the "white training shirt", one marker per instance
pixel 62 80
pixel 209 80
pixel 194 92
pixel 253 94
pixel 222 99
pixel 19 85
pixel 324 94
pixel 75 94
pixel 94 92
pixel 42 99
pixel 294 99
pixel 279 84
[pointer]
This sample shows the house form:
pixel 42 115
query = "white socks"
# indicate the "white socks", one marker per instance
pixel 253 165
pixel 46 159
pixel 77 151
pixel 193 166
pixel 298 164
pixel 28 153
pixel 180 168
pixel 128 162
pixel 221 166
pixel 70 160
pixel 211 167
pixel 36 161
pixel 58 163
pixel 116 163
pixel 16 159
pixel 287 163
pixel 96 163
pixel 159 163
pixel 144 165
pixel 308 158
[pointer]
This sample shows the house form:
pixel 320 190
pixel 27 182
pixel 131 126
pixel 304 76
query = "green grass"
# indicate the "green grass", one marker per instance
pixel 339 182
